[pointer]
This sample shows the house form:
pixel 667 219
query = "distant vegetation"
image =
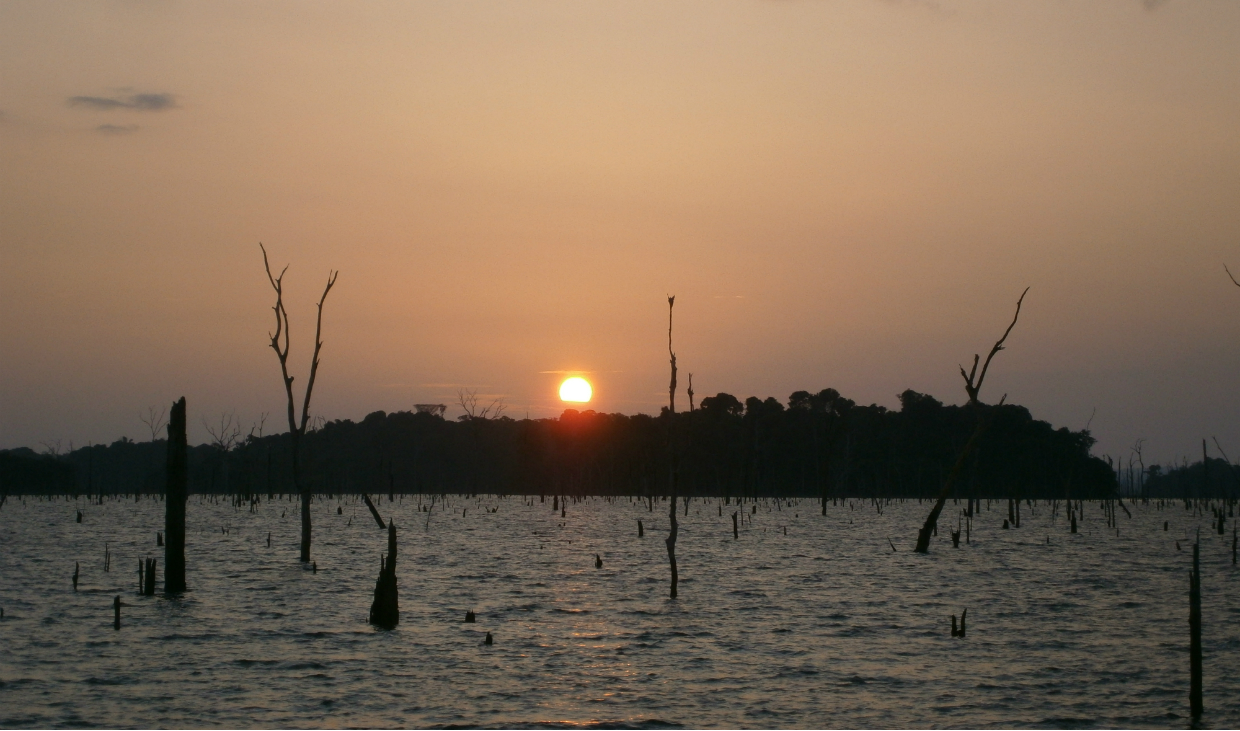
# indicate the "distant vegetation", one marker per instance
pixel 817 445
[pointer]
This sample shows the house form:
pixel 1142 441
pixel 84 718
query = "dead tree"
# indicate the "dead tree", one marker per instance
pixel 296 430
pixel 224 439
pixel 467 399
pixel 154 420
pixel 972 386
pixel 671 449
pixel 175 494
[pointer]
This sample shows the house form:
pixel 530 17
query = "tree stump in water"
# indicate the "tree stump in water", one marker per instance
pixel 640 530
pixel 385 610
pixel 959 632
pixel 116 608
pixel 77 568
pixel 149 588
pixel 176 493
pixel 470 618
pixel 735 533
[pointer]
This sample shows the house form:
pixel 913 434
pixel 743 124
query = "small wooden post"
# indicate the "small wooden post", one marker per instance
pixel 116 609
pixel 735 533
pixel 149 589
pixel 77 567
pixel 640 530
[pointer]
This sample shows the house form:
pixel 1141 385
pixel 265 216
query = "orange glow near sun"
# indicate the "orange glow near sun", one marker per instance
pixel 576 389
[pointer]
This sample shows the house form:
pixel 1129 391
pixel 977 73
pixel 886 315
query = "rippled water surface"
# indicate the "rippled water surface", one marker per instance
pixel 825 626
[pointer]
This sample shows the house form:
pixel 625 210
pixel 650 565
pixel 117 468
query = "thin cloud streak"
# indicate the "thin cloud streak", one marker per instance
pixel 116 129
pixel 140 102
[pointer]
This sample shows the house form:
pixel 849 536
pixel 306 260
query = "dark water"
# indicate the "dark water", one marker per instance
pixel 823 627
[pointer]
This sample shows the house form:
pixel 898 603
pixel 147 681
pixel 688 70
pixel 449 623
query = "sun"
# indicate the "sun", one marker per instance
pixel 576 389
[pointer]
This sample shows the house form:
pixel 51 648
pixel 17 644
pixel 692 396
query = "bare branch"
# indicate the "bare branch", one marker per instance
pixel 282 327
pixel 225 436
pixel 318 345
pixel 154 421
pixel 467 399
pixel 671 389
pixel 1233 278
pixel 974 388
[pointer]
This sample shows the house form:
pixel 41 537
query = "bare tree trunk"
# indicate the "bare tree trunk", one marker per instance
pixel 297 431
pixel 175 495
pixel 671 448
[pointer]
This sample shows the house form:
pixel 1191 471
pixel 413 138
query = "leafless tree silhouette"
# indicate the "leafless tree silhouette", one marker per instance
pixel 226 434
pixel 674 527
pixel 972 386
pixel 296 430
pixel 154 420
pixel 467 399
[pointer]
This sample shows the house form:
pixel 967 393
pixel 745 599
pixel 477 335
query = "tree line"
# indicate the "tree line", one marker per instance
pixel 819 445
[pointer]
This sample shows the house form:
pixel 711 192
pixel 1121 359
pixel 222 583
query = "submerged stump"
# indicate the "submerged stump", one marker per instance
pixel 175 496
pixel 385 610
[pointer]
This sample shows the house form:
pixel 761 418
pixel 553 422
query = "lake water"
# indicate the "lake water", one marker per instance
pixel 825 626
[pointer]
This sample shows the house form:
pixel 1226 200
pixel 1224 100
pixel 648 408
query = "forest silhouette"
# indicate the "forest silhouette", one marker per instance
pixel 819 445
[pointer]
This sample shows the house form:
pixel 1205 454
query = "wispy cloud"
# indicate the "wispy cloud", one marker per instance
pixel 116 129
pixel 141 102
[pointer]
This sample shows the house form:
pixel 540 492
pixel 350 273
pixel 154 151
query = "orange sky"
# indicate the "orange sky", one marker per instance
pixel 840 194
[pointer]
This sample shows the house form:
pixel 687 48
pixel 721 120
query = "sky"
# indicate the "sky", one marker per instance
pixel 840 194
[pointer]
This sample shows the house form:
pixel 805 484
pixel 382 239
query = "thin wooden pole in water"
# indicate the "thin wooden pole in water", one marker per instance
pixel 671 447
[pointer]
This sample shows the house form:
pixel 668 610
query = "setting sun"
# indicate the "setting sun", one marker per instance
pixel 575 389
